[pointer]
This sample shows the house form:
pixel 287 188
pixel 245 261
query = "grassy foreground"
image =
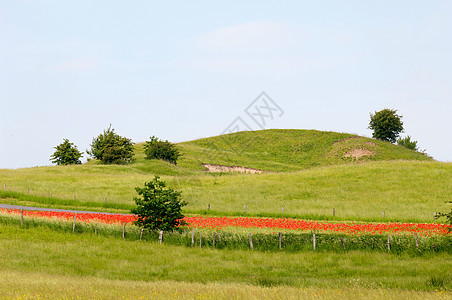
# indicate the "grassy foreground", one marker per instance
pixel 36 285
pixel 57 254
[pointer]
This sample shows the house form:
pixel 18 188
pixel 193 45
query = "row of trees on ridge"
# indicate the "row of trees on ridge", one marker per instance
pixel 111 148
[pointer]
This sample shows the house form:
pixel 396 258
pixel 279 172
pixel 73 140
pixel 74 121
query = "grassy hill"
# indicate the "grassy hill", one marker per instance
pixel 307 172
pixel 282 150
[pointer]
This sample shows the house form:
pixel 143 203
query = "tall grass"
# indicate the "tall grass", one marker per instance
pixel 43 250
pixel 39 285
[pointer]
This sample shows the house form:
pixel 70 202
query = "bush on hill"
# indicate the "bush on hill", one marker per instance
pixel 111 148
pixel 66 154
pixel 158 149
pixel 407 143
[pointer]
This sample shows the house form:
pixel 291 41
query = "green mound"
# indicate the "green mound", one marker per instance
pixel 282 150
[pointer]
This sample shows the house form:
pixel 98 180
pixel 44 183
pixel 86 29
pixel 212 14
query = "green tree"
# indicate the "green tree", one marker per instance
pixel 448 217
pixel 66 154
pixel 407 143
pixel 158 149
pixel 111 148
pixel 386 124
pixel 158 208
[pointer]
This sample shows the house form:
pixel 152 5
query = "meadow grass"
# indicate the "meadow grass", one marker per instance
pixel 405 190
pixel 43 250
pixel 38 285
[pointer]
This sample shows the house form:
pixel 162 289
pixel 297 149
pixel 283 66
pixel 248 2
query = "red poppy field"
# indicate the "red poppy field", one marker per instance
pixel 219 223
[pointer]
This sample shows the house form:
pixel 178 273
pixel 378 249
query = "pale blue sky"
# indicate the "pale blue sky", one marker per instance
pixel 182 70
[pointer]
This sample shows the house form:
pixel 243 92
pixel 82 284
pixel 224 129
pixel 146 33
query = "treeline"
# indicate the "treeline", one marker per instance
pixel 111 148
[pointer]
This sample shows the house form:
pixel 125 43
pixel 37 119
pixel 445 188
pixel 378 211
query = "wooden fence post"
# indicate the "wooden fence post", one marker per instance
pixel 141 233
pixel 50 194
pixel 105 200
pixel 343 243
pixel 214 236
pixel 219 238
pixel 282 209
pixel 160 236
pixel 208 207
pixel 313 241
pixel 383 214
pixel 200 240
pixel 193 237
pixel 21 217
pixel 74 197
pixel 251 241
pixel 334 212
pixel 4 186
pixel 389 244
pixel 417 242
pixel 244 208
pixel 73 224
pixel 280 240
pixel 124 230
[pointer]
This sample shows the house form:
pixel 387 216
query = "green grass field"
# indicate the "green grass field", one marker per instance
pixel 405 190
pixel 107 261
pixel 307 172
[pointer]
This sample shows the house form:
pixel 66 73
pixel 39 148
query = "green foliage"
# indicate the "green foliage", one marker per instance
pixel 159 208
pixel 158 149
pixel 386 124
pixel 407 143
pixel 111 148
pixel 66 154
pixel 448 217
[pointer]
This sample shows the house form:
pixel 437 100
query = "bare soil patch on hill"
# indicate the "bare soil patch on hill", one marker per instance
pixel 232 169
pixel 358 153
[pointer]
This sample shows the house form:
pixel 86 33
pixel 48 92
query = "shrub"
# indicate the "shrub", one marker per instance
pixel 159 208
pixel 448 217
pixel 66 154
pixel 158 149
pixel 407 143
pixel 111 148
pixel 386 124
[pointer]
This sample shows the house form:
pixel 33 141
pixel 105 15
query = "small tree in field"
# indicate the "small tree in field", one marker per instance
pixel 111 148
pixel 158 208
pixel 66 154
pixel 158 149
pixel 386 124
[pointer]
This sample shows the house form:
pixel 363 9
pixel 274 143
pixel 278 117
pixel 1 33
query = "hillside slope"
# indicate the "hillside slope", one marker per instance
pixel 282 150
